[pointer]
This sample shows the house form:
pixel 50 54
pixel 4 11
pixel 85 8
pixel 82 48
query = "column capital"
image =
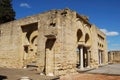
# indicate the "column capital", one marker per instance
pixel 81 43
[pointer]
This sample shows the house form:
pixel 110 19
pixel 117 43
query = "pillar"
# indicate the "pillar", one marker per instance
pixel 88 52
pixel 81 57
pixel 100 57
pixel 49 62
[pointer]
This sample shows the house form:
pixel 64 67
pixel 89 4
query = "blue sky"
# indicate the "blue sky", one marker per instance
pixel 105 14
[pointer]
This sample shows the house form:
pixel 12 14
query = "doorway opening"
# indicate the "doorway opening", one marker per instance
pixel 82 57
pixel 49 56
pixel 29 42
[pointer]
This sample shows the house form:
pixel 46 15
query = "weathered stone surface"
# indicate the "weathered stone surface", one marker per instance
pixel 53 41
pixel 114 56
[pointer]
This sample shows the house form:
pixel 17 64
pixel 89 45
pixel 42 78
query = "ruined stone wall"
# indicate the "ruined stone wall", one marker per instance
pixel 66 57
pixel 10 45
pixel 56 43
pixel 11 42
pixel 98 43
pixel 114 56
pixel 94 47
pixel 47 32
pixel 102 45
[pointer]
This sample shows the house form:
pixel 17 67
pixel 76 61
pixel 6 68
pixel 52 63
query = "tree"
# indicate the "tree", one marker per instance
pixel 6 11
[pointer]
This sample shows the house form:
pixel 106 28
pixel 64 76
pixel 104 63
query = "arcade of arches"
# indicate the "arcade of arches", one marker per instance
pixel 83 53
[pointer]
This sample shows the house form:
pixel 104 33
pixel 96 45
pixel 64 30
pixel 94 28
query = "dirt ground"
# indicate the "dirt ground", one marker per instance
pixel 90 77
pixel 16 74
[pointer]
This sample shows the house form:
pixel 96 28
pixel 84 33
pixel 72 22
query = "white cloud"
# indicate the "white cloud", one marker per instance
pixel 111 33
pixel 116 45
pixel 25 5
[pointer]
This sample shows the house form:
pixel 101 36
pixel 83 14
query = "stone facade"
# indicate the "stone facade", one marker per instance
pixel 57 41
pixel 114 56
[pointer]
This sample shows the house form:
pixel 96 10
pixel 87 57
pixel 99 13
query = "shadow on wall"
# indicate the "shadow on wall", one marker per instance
pixel 2 77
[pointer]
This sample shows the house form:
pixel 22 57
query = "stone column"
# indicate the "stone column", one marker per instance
pixel 49 62
pixel 100 57
pixel 88 53
pixel 81 57
pixel 41 54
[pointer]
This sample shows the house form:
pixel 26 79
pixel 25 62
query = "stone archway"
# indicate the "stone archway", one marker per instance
pixel 83 55
pixel 34 42
pixel 86 50
pixel 79 49
pixel 29 48
pixel 79 35
pixel 87 38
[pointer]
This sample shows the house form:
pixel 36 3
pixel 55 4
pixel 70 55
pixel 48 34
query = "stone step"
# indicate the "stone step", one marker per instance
pixel 32 66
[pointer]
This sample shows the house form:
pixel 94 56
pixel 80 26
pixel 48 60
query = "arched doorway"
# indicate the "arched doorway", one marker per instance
pixel 83 55
pixel 79 48
pixel 87 53
pixel 29 42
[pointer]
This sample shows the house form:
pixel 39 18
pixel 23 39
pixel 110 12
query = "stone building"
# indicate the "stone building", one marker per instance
pixel 114 56
pixel 57 42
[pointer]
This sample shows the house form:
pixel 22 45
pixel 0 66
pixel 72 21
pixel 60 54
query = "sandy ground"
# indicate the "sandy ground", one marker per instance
pixel 89 77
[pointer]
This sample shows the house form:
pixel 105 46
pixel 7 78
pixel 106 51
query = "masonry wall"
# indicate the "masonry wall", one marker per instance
pixel 66 56
pixel 94 47
pixel 47 32
pixel 102 45
pixel 10 45
pixel 11 42
pixel 98 44
pixel 114 56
